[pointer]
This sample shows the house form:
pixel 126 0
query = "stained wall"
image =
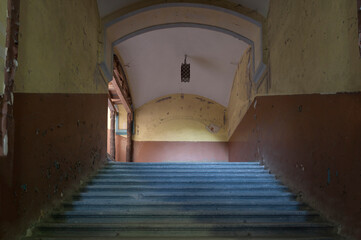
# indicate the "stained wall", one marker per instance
pixel 179 127
pixel 180 151
pixel 121 148
pixel 180 117
pixel 311 142
pixel 60 45
pixel 313 46
pixel 60 105
pixel 3 24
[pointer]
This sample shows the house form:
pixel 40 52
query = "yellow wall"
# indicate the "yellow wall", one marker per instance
pixel 180 117
pixel 313 46
pixel 58 47
pixel 122 122
pixel 241 93
pixel 3 24
pixel 123 117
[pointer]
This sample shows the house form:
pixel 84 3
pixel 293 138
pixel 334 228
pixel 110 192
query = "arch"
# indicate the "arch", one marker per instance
pixel 170 15
pixel 180 115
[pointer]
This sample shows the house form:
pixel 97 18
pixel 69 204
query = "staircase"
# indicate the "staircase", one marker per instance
pixel 184 201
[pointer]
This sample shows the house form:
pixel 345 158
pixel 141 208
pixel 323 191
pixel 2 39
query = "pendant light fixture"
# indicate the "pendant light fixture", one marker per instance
pixel 185 71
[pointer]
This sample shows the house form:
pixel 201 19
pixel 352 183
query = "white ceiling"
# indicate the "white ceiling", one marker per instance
pixel 152 61
pixel 108 6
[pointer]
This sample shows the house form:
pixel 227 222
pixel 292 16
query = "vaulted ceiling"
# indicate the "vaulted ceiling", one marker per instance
pixel 213 57
pixel 152 59
pixel 107 7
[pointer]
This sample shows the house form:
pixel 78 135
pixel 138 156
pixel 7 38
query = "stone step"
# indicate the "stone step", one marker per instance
pixel 211 195
pixel 213 201
pixel 180 180
pixel 176 176
pixel 240 229
pixel 111 163
pixel 248 205
pixel 184 170
pixel 183 238
pixel 188 187
pixel 184 217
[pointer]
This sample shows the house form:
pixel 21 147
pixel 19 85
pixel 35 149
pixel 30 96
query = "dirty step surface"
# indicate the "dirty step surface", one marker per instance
pixel 216 201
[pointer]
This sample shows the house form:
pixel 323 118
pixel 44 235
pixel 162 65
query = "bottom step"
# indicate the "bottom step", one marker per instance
pixel 179 238
pixel 186 230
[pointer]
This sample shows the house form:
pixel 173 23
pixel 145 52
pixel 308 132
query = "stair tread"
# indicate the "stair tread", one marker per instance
pixel 186 173
pixel 185 201
pixel 177 163
pixel 188 226
pixel 181 170
pixel 215 181
pixel 197 186
pixel 193 213
pixel 174 176
pixel 212 200
pixel 181 238
pixel 175 194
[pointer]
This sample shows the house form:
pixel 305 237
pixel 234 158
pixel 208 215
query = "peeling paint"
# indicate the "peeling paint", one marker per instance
pixel 156 121
pixel 213 128
pixel 300 107
pixel 77 75
pixel 311 61
pixel 29 232
pixel 24 187
pixel 3 48
pixel 57 165
pixel 163 99
pixel 242 93
pixel 200 99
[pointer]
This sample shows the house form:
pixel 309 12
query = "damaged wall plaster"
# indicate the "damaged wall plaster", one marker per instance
pixel 318 54
pixel 243 92
pixel 60 136
pixel 294 137
pixel 3 23
pixel 180 117
pixel 56 55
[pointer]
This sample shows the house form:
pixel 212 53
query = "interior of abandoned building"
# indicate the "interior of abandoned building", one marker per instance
pixel 180 119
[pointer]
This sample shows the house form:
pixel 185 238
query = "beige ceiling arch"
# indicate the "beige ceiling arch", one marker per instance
pixel 183 14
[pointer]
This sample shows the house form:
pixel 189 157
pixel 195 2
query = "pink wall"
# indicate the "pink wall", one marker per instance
pixel 313 142
pixel 54 151
pixel 180 151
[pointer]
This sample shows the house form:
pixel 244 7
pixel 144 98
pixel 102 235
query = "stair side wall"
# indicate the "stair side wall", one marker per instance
pixel 312 142
pixel 55 151
pixel 60 104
